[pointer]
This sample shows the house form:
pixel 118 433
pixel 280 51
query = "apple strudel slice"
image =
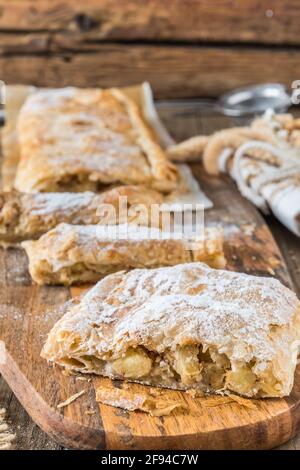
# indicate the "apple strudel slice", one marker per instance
pixel 183 327
pixel 75 139
pixel 25 216
pixel 71 254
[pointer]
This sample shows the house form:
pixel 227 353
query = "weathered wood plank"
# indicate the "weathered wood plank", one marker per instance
pixel 181 71
pixel 261 21
pixel 28 43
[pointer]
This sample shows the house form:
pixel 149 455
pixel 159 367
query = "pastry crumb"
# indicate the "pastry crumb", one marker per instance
pixel 148 402
pixel 229 398
pixel 211 402
pixel 70 399
pixel 246 402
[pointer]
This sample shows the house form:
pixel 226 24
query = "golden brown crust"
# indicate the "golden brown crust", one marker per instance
pixel 160 169
pixel 184 327
pixel 141 101
pixel 10 213
pixel 25 216
pixel 77 254
pixel 112 145
pixel 148 401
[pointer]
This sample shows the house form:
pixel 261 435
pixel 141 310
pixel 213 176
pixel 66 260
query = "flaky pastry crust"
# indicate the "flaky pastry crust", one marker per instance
pixel 72 254
pixel 27 216
pixel 184 327
pixel 85 139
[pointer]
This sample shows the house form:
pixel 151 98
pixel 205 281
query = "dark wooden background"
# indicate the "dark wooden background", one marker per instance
pixel 185 48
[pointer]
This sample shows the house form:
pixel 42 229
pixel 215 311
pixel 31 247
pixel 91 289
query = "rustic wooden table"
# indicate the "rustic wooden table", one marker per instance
pixel 183 119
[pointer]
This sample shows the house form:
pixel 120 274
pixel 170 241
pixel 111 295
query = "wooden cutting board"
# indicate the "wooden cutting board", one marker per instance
pixel 27 312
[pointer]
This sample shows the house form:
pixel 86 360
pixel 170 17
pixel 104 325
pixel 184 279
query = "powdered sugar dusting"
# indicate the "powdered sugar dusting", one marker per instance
pixel 103 130
pixel 118 246
pixel 163 307
pixel 45 204
pixel 90 233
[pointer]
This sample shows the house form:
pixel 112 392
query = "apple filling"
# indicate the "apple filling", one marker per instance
pixel 189 366
pixel 135 364
pixel 77 273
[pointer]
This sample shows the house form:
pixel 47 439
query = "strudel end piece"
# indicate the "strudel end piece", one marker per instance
pixel 25 216
pixel 71 254
pixel 87 139
pixel 184 327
